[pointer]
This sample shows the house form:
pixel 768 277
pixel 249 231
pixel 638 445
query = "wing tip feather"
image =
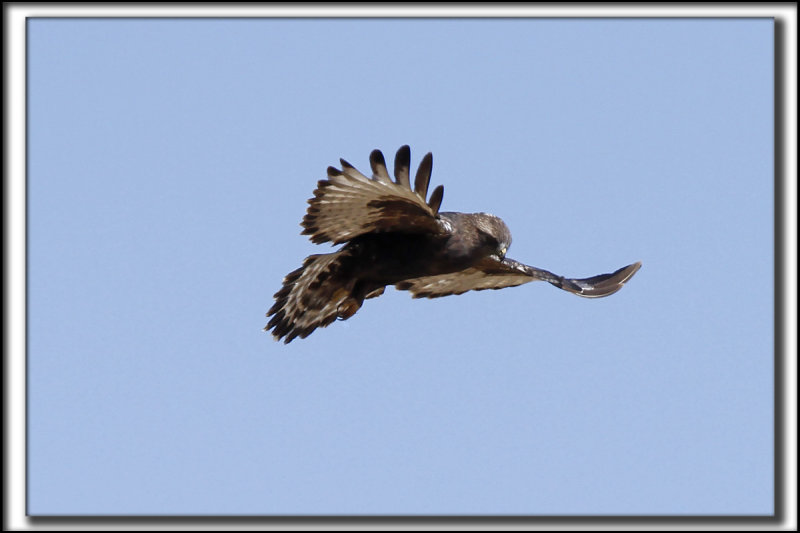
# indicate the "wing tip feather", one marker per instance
pixel 423 177
pixel 402 163
pixel 346 191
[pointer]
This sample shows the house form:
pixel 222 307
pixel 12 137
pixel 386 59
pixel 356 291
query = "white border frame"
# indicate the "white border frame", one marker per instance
pixel 15 15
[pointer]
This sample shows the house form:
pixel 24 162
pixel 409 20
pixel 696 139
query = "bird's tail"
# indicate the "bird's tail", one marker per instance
pixel 313 296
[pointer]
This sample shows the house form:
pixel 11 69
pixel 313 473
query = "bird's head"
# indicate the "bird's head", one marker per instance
pixel 495 234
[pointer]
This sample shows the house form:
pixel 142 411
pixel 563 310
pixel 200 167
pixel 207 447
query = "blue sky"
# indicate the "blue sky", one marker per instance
pixel 169 164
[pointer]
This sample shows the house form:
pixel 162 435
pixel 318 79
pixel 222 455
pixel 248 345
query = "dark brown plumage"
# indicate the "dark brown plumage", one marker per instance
pixel 394 236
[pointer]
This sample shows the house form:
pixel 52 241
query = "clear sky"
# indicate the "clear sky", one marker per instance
pixel 169 166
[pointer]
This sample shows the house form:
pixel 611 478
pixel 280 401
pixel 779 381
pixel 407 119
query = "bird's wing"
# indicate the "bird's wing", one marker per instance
pixel 600 285
pixel 349 204
pixel 493 273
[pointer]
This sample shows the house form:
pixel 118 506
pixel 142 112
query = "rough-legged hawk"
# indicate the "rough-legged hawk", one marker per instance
pixel 396 237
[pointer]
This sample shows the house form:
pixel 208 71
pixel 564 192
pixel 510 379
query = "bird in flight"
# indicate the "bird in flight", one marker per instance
pixel 394 234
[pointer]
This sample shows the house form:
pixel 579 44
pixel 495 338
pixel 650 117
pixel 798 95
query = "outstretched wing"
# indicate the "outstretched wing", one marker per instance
pixel 600 285
pixel 349 204
pixel 493 273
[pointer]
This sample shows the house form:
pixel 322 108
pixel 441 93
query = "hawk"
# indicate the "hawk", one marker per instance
pixel 394 234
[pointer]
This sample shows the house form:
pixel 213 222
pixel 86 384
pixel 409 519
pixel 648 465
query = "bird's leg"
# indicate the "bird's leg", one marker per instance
pixel 347 308
pixel 377 292
pixel 352 302
pixel 349 303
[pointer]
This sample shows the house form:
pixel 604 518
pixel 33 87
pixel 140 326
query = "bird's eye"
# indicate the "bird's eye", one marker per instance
pixel 502 252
